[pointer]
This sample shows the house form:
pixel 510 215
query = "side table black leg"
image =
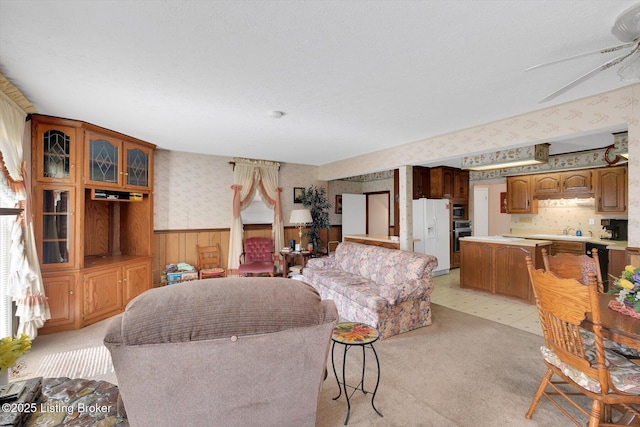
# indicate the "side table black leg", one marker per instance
pixel 333 365
pixel 364 363
pixel 377 381
pixel 344 383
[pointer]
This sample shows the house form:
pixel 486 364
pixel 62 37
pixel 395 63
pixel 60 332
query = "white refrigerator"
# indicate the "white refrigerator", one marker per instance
pixel 432 229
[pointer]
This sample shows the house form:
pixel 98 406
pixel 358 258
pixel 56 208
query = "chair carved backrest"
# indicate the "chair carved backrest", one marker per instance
pixel 571 266
pixel 257 249
pixel 209 257
pixel 563 304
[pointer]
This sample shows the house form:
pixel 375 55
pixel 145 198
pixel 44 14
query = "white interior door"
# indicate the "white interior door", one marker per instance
pixel 354 214
pixel 480 223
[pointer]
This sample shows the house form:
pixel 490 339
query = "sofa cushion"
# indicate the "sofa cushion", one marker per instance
pixel 220 308
pixel 352 286
pixel 383 266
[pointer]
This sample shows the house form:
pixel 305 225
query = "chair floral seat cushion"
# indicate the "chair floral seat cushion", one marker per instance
pixel 625 375
pixel 212 271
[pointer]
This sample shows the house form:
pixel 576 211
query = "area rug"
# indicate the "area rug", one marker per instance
pixel 82 363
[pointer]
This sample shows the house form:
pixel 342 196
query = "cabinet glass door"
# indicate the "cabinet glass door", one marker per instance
pixel 56 226
pixel 103 161
pixel 137 167
pixel 56 154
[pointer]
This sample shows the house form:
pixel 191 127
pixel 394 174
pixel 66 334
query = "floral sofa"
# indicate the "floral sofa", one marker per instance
pixel 389 289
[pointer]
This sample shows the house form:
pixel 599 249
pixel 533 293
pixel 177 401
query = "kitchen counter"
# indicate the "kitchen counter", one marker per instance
pixel 375 240
pixel 507 240
pixel 611 244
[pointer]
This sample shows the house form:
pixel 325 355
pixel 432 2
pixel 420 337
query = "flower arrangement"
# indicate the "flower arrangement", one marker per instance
pixel 627 286
pixel 11 349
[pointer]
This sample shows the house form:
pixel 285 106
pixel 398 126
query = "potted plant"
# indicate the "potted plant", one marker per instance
pixel 315 199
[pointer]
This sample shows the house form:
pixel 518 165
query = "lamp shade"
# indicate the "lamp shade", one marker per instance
pixel 300 216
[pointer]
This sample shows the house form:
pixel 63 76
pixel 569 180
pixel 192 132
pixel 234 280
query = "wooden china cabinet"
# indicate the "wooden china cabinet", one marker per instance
pixel 92 211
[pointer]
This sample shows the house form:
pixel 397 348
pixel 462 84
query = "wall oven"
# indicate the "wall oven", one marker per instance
pixel 461 229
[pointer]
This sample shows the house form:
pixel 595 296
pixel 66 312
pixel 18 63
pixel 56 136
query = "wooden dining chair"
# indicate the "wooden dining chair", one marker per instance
pixel 210 262
pixel 581 368
pixel 572 266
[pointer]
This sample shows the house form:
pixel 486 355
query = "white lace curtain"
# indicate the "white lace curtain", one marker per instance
pixel 25 280
pixel 250 176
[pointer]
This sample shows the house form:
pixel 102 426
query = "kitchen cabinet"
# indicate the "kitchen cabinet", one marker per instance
pixel 617 261
pixel 449 183
pixel 499 268
pixel 570 184
pixel 611 190
pixel 519 195
pixel 421 181
pixel 93 223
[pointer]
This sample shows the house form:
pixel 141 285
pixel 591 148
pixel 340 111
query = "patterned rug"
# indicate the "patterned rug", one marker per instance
pixel 83 363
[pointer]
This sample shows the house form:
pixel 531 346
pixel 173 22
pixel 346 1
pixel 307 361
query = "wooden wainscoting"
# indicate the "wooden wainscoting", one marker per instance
pixel 173 246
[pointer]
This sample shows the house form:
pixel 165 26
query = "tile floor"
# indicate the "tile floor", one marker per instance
pixel 447 293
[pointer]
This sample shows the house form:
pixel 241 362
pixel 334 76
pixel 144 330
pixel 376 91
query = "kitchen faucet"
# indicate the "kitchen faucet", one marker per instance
pixel 566 230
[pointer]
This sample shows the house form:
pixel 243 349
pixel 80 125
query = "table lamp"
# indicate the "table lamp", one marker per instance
pixel 300 217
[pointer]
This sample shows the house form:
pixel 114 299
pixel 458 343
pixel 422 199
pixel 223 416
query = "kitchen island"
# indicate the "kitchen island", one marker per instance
pixel 496 264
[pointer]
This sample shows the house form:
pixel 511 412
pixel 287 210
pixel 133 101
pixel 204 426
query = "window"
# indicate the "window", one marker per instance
pixel 257 212
pixel 6 221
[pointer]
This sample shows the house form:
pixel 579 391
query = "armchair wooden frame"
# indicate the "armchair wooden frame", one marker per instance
pixel 562 305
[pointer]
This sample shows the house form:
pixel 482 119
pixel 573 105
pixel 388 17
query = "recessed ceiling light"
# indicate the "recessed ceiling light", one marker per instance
pixel 276 114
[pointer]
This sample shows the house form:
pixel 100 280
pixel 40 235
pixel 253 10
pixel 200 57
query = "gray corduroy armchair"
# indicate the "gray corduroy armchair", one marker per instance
pixel 224 352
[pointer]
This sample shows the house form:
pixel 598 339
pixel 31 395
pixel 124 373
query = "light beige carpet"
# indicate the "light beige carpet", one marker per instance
pixel 460 371
pixel 87 363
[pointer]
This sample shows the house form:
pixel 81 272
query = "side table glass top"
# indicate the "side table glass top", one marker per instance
pixel 354 333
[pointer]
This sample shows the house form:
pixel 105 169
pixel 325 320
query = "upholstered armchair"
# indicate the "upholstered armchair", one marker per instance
pixel 257 256
pixel 230 352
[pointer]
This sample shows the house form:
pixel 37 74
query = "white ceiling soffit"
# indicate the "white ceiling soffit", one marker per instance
pixel 352 77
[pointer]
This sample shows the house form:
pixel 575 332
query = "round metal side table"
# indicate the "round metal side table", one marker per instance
pixel 352 334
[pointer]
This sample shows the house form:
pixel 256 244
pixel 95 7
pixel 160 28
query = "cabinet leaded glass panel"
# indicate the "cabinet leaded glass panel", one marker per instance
pixel 137 168
pixel 103 161
pixel 56 149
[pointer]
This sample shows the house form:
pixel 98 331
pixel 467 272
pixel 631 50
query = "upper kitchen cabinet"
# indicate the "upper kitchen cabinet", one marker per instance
pixel 449 183
pixel 520 196
pixel 115 163
pixel 420 182
pixel 557 185
pixel 611 190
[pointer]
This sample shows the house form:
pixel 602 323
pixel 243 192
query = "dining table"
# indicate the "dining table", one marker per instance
pixel 621 328
pixel 616 326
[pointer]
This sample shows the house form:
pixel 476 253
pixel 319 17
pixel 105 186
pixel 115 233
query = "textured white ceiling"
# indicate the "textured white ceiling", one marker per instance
pixel 351 76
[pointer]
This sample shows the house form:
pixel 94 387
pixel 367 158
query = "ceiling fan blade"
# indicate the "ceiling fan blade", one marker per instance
pixel 583 77
pixel 605 50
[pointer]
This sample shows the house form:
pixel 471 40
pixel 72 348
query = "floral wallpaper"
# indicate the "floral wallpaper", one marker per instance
pixel 614 109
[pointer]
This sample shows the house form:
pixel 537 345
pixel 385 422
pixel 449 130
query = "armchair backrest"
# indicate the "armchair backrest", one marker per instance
pixel 228 351
pixel 258 249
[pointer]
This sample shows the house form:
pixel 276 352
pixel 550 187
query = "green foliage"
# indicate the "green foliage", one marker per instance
pixel 315 199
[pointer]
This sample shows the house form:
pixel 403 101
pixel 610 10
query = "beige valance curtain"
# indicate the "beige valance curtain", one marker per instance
pixel 250 176
pixel 25 279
